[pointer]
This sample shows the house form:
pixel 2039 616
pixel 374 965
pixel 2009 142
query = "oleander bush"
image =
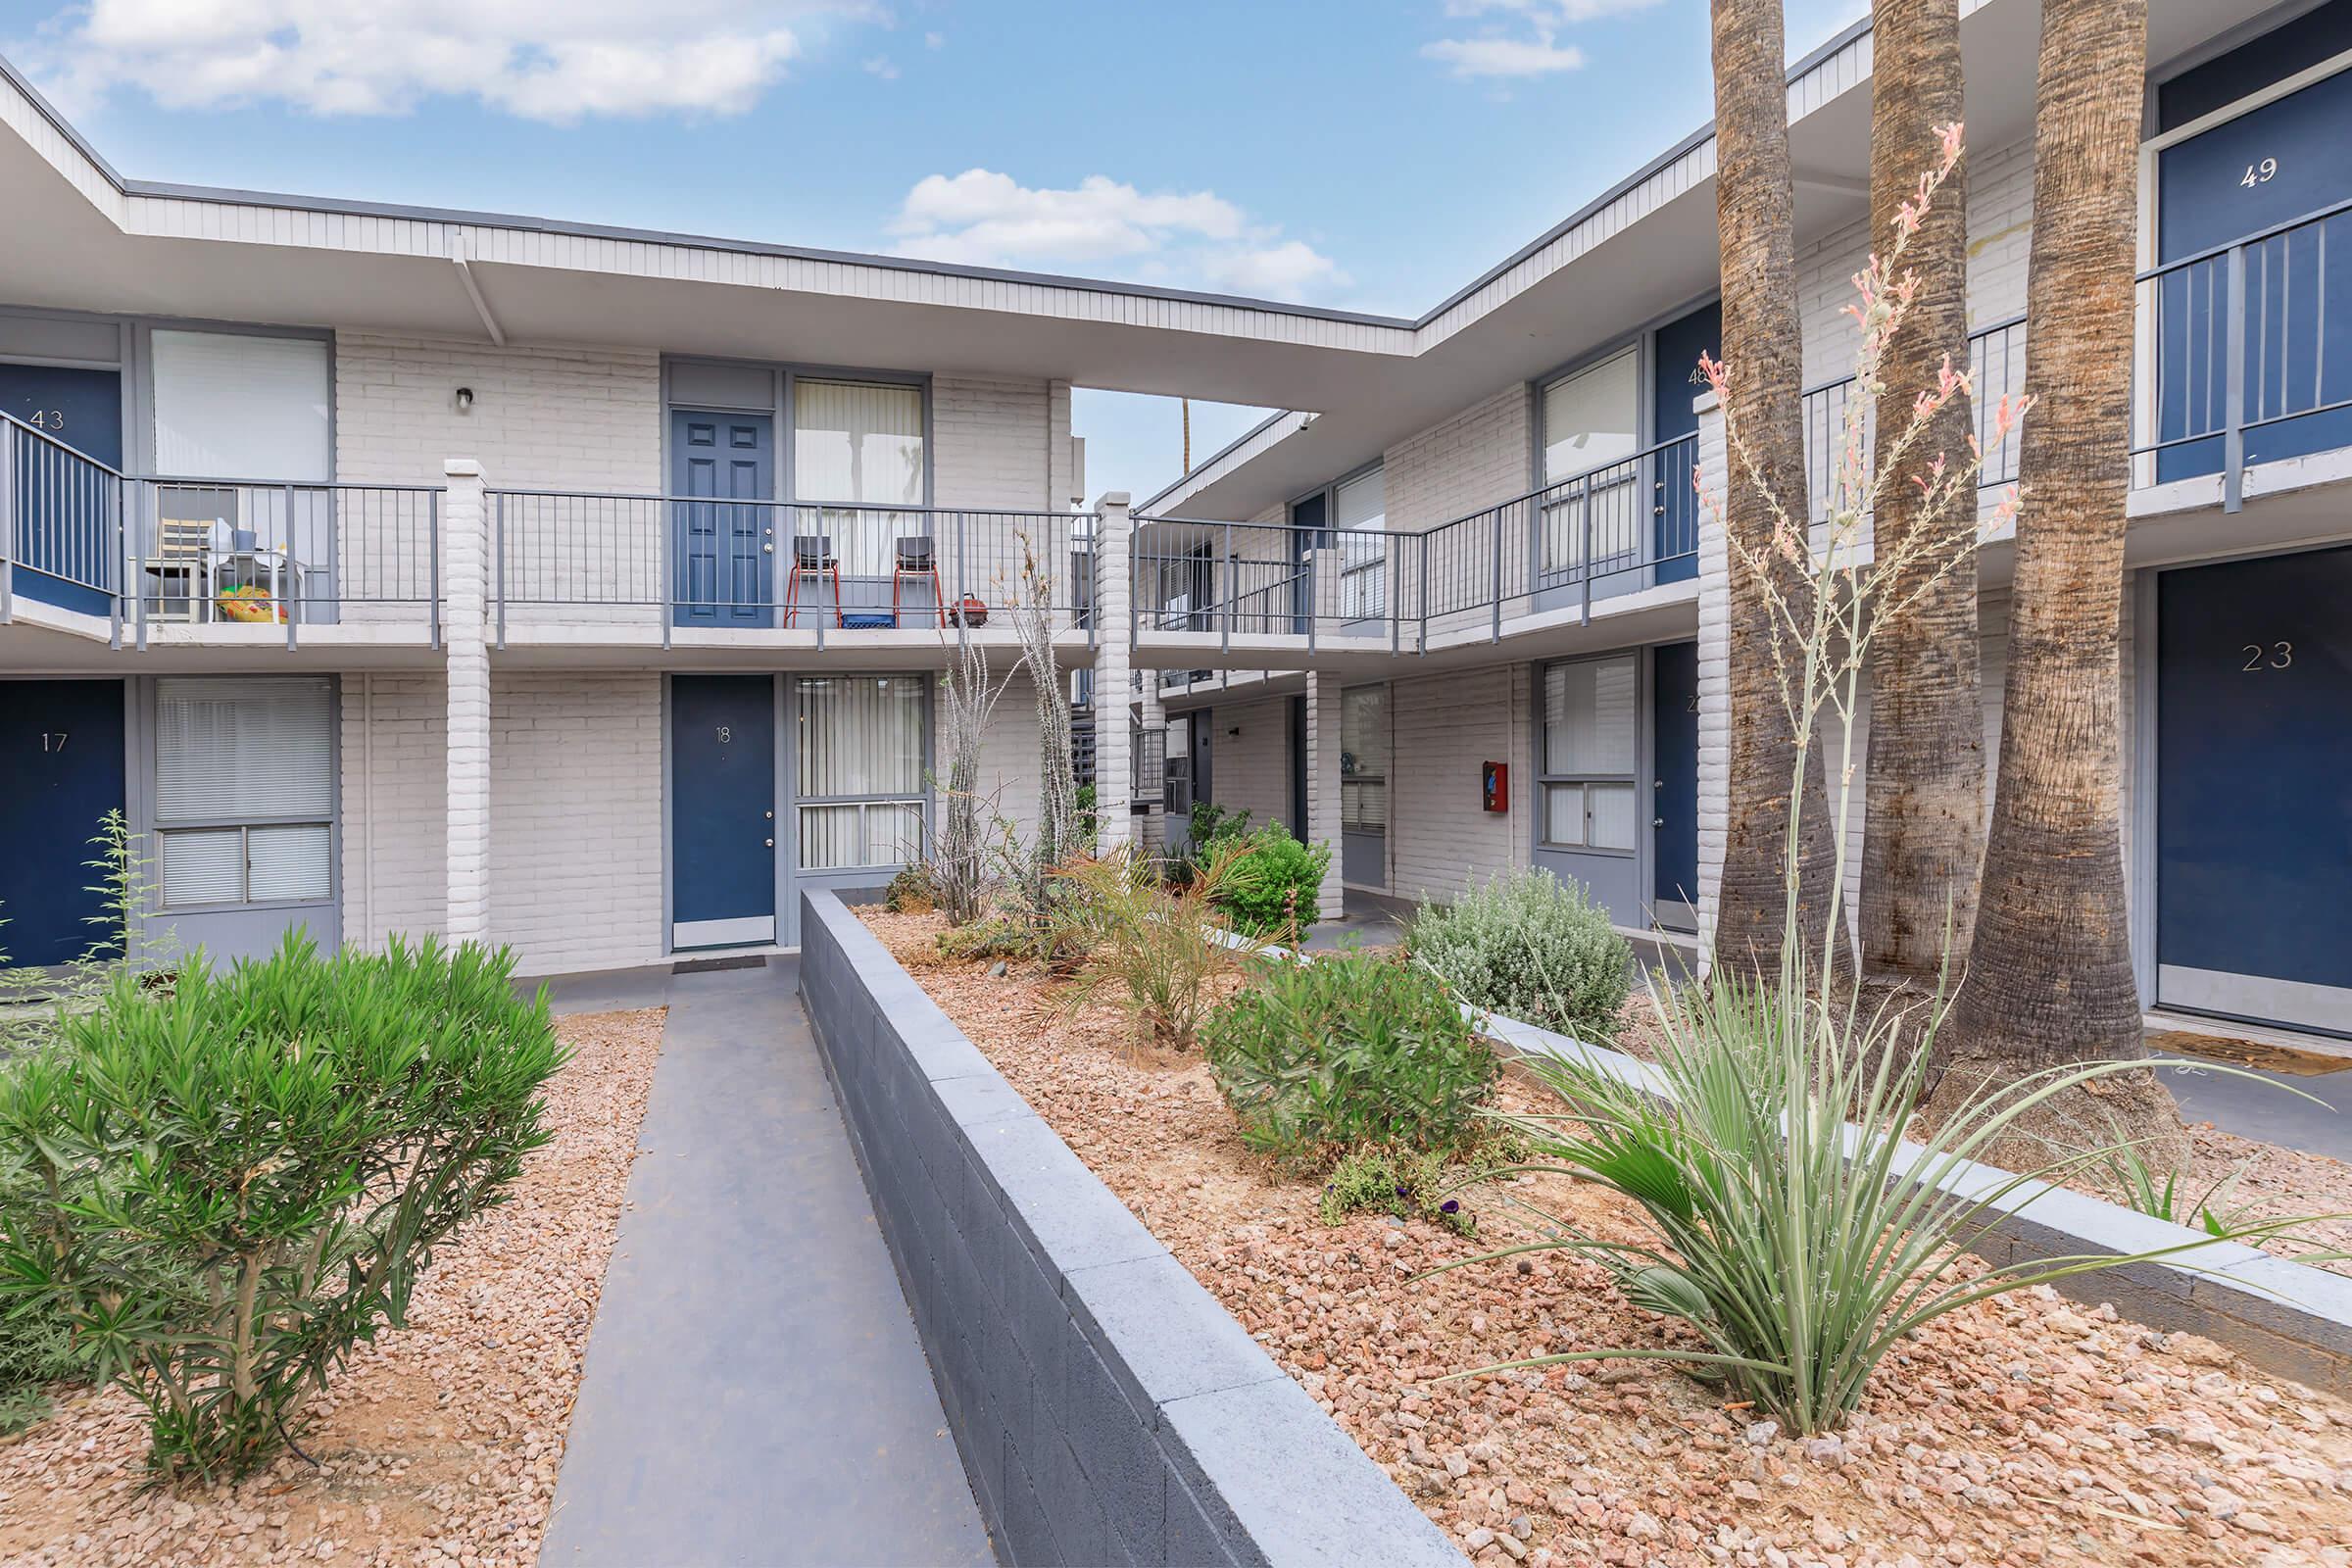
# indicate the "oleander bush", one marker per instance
pixel 224 1189
pixel 1351 1051
pixel 1272 883
pixel 1530 946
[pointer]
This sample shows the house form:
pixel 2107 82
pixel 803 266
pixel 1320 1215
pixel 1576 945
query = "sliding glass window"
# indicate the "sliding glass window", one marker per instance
pixel 1590 753
pixel 1359 509
pixel 1591 421
pixel 859 778
pixel 858 447
pixel 244 790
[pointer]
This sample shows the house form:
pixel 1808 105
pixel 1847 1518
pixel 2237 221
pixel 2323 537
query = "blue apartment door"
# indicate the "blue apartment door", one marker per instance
pixel 727 555
pixel 67 506
pixel 2266 168
pixel 1674 784
pixel 1674 499
pixel 1310 523
pixel 2254 789
pixel 722 821
pixel 61 749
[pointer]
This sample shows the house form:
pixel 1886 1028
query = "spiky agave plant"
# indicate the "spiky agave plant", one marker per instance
pixel 1801 1221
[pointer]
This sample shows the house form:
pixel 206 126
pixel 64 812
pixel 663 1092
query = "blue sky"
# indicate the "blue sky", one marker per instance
pixel 1371 154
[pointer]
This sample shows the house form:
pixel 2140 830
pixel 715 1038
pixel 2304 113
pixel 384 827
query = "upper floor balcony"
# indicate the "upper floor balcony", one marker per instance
pixel 149 559
pixel 708 571
pixel 2242 391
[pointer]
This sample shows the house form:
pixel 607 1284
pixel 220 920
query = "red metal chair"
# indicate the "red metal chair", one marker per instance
pixel 914 559
pixel 813 557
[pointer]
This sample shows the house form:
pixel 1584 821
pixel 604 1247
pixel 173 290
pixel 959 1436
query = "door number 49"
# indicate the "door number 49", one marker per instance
pixel 2279 656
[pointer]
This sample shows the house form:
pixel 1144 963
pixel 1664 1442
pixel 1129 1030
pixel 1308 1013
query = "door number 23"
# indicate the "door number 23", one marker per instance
pixel 2279 656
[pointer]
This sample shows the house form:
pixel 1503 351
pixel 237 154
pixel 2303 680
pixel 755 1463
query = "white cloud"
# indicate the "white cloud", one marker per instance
pixel 1504 57
pixel 935 40
pixel 1519 38
pixel 985 219
pixel 881 66
pixel 549 59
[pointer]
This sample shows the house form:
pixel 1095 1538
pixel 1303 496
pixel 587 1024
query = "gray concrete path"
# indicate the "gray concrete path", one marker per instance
pixel 755 1390
pixel 2272 1115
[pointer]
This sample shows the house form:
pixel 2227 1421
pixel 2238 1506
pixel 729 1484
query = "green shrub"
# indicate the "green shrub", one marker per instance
pixel 1533 948
pixel 1397 1182
pixel 1273 883
pixel 1349 1052
pixel 226 1189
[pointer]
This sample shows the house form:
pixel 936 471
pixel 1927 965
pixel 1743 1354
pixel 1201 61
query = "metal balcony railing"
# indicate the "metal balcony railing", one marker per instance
pixel 150 548
pixel 1998 368
pixel 697 561
pixel 1623 525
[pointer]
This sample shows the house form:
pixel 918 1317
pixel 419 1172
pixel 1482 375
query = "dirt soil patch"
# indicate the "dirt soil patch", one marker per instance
pixel 2028 1429
pixel 438 1446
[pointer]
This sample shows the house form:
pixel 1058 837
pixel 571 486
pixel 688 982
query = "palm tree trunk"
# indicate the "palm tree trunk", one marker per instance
pixel 1924 796
pixel 2049 978
pixel 1754 208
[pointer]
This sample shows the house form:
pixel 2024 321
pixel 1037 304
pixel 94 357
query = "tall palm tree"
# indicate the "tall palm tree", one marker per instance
pixel 2049 975
pixel 1923 829
pixel 1754 221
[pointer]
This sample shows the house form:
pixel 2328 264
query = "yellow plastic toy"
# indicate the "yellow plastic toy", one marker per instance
pixel 249 604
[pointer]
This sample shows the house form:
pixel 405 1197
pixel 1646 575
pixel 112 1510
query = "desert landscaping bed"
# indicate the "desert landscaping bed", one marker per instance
pixel 439 1445
pixel 2024 1430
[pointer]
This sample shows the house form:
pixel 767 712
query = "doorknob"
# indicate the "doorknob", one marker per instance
pixel 1657 821
pixel 770 843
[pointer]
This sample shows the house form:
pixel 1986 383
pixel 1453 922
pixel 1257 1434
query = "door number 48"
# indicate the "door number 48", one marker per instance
pixel 2279 656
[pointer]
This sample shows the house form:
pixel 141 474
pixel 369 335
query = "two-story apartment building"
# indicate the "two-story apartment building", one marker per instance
pixel 1485 572
pixel 397 571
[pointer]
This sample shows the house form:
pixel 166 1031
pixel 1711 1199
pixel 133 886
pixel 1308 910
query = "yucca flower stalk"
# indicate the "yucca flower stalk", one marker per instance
pixel 1801 1219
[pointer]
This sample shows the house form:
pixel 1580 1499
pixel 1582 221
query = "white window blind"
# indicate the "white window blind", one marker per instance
pixel 856 441
pixel 228 407
pixel 859 773
pixel 1588 716
pixel 241 750
pixel 1592 417
pixel 1589 747
pixel 1364 758
pixel 234 759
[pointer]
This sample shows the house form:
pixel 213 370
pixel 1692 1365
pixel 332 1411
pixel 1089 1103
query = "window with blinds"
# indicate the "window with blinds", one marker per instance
pixel 859 442
pixel 1364 759
pixel 244 790
pixel 858 781
pixel 1359 511
pixel 1592 419
pixel 233 406
pixel 1589 752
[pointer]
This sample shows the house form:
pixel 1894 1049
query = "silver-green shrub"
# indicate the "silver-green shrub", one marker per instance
pixel 1530 946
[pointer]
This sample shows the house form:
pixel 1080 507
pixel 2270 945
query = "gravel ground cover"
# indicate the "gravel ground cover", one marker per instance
pixel 2029 1430
pixel 437 1446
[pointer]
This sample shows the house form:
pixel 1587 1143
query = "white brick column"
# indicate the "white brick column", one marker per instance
pixel 1323 784
pixel 1714 673
pixel 1114 535
pixel 464 563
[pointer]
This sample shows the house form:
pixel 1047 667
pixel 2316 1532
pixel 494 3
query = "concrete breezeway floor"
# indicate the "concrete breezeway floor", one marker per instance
pixel 755 1390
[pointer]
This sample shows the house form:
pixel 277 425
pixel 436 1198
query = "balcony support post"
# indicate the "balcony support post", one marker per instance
pixel 1114 754
pixel 1495 630
pixel 2234 398
pixel 1323 805
pixel 467 916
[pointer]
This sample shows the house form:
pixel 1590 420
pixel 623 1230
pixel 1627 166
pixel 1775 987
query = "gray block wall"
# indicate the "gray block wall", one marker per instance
pixel 1107 1408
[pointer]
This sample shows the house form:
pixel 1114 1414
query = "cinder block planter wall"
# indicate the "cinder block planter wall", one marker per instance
pixel 1107 1408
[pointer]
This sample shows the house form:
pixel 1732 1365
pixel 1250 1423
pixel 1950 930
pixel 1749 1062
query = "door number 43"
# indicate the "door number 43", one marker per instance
pixel 2279 656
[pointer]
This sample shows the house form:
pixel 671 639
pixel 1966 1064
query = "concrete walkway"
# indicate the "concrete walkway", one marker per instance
pixel 754 1391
